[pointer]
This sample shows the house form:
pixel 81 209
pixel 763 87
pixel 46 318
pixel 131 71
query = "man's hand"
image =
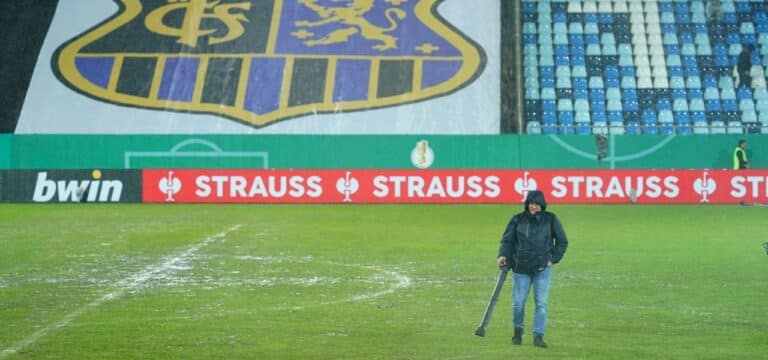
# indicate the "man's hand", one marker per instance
pixel 501 261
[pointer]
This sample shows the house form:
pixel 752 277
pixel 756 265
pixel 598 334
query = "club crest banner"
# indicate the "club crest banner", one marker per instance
pixel 261 62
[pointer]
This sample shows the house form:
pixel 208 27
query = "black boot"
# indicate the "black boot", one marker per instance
pixel 518 338
pixel 538 340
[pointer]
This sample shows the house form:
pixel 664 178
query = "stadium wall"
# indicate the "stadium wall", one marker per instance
pixel 372 152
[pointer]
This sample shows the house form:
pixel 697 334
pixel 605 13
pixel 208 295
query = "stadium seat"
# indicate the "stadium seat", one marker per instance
pixel 600 128
pixel 735 127
pixel 746 105
pixel 615 117
pixel 680 105
pixel 665 117
pixel 621 61
pixel 583 117
pixel 659 83
pixel 748 117
pixel 548 105
pixel 548 118
pixel 701 128
pixel 533 127
pixel 617 129
pixel 581 105
pixel 717 127
pixel 549 129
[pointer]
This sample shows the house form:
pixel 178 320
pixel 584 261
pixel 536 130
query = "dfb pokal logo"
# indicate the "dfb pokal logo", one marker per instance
pixel 347 186
pixel 170 185
pixel 422 156
pixel 524 185
pixel 705 186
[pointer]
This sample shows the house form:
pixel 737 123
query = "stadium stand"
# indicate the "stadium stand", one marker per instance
pixel 643 67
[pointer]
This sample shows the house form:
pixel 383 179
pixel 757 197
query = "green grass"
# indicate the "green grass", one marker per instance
pixel 372 282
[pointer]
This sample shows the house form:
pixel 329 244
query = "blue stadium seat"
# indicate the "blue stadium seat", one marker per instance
pixel 626 70
pixel 597 105
pixel 597 93
pixel 682 117
pixel 698 117
pixel 615 117
pixel 629 93
pixel 580 93
pixel 529 7
pixel 599 116
pixel 744 93
pixel 729 105
pixel 695 93
pixel 548 106
pixel 709 80
pixel 730 116
pixel 649 117
pixel 549 129
pixel 548 117
pixel 565 117
pixel 663 104
pixel 630 58
pixel 712 105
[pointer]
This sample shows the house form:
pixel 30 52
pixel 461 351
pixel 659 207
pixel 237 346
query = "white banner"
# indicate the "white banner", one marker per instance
pixel 131 66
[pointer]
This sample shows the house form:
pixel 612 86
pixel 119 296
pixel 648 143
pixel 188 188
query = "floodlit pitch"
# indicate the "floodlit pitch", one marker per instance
pixel 95 281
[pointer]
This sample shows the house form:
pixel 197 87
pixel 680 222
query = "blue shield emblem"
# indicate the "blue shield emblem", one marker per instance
pixel 262 61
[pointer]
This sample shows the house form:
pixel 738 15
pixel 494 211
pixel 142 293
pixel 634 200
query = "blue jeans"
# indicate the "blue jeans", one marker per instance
pixel 520 290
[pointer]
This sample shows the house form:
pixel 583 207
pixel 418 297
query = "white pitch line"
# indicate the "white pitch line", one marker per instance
pixel 403 281
pixel 133 282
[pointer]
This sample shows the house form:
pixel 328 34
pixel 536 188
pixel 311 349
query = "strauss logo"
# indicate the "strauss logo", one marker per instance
pixel 704 186
pixel 347 186
pixel 170 185
pixel 524 185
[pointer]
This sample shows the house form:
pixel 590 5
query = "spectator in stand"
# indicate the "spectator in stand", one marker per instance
pixel 744 66
pixel 715 11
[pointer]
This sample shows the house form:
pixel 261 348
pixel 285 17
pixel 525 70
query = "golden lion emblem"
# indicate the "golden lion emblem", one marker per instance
pixel 352 16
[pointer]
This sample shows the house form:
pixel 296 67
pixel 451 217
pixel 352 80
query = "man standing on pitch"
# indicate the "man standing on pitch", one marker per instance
pixel 533 242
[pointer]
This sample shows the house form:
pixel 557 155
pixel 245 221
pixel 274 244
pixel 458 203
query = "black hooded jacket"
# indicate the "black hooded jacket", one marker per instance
pixel 530 241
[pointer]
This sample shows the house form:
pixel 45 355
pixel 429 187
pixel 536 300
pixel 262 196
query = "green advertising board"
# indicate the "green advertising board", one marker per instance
pixel 373 151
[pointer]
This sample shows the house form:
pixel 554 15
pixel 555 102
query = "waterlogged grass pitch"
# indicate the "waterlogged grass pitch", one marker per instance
pixel 372 282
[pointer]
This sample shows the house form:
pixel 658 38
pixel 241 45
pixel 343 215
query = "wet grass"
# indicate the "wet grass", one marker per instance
pixel 372 282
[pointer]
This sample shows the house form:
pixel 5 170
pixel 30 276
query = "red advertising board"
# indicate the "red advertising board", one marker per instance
pixel 455 186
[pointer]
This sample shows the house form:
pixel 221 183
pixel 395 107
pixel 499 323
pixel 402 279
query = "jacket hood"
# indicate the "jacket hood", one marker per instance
pixel 535 196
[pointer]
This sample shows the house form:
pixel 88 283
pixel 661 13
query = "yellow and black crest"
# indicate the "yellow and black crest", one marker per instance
pixel 261 61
